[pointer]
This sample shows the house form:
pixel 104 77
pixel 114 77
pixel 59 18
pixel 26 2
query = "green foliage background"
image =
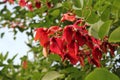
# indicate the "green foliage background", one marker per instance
pixel 103 16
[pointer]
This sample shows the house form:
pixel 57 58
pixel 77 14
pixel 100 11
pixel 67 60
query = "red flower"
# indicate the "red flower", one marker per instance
pixel 53 29
pixel 5 1
pixel 96 53
pixel 73 43
pixel 11 1
pixel 81 59
pixel 96 41
pixel 22 3
pixel 112 49
pixel 87 53
pixel 49 5
pixel 29 6
pixel 80 38
pixel 72 57
pixel 42 36
pixel 76 48
pixel 82 29
pixel 89 41
pixel 24 64
pixel 57 46
pixel 104 46
pixel 69 17
pixel 96 62
pixel 72 54
pixel 77 22
pixel 68 33
pixel 73 48
pixel 38 4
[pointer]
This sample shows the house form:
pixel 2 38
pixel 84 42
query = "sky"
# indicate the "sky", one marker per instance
pixel 7 43
pixel 18 46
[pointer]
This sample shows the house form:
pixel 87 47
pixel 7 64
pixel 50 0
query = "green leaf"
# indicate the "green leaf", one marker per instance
pixel 101 5
pixel 85 13
pixel 92 17
pixel 55 12
pixel 93 30
pixel 6 55
pixel 116 4
pixel 17 7
pixel 115 14
pixel 54 57
pixel 70 70
pixel 77 3
pixel 29 14
pixel 101 74
pixel 2 34
pixel 36 75
pixel 87 3
pixel 114 36
pixel 78 13
pixel 104 29
pixel 52 75
pixel 14 57
pixel 35 25
pixel 106 14
pixel 1 57
pixel 67 5
pixel 118 51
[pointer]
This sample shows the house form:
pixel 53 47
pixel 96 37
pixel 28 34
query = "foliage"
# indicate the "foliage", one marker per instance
pixel 102 18
pixel 100 74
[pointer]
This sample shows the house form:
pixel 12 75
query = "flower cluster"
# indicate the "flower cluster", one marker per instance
pixel 29 4
pixel 16 24
pixel 73 42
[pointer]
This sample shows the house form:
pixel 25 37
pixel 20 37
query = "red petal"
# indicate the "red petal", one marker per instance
pixel 96 62
pixel 80 38
pixel 89 59
pixel 82 29
pixel 89 42
pixel 24 64
pixel 56 46
pixel 76 48
pixel 5 1
pixel 82 61
pixel 72 57
pixel 68 33
pixel 88 56
pixel 42 36
pixel 53 29
pixel 29 6
pixel 73 48
pixel 22 3
pixel 38 4
pixel 11 1
pixel 112 49
pixel 49 4
pixel 96 41
pixel 69 17
pixel 96 53
pixel 104 46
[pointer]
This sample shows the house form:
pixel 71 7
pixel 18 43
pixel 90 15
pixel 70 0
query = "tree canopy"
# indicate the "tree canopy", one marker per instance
pixel 74 39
